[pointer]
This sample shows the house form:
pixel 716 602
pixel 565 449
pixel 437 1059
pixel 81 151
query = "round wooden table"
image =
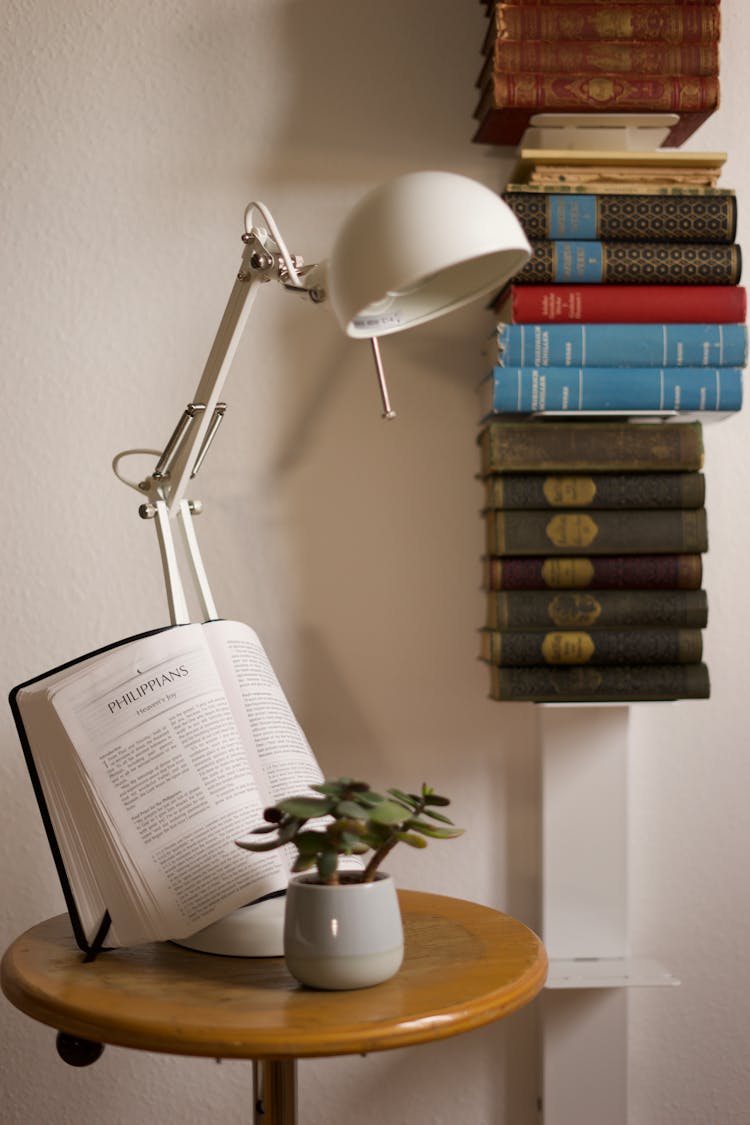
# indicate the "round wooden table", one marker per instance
pixel 465 965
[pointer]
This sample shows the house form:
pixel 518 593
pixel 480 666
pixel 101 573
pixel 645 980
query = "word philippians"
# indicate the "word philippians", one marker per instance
pixel 134 694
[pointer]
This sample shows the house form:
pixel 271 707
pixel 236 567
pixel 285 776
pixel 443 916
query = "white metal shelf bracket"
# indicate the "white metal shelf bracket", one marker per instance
pixel 584 911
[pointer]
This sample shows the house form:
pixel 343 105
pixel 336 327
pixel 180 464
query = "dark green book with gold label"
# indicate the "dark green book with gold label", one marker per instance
pixel 595 646
pixel 638 532
pixel 595 490
pixel 600 683
pixel 596 609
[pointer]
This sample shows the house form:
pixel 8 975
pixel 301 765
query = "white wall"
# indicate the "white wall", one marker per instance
pixel 133 136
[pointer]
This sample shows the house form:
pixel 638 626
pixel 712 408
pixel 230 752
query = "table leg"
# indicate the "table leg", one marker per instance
pixel 275 1091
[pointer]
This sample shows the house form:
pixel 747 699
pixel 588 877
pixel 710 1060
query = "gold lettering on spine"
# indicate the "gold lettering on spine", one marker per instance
pixel 569 492
pixel 567 648
pixel 572 529
pixel 561 574
pixel 574 609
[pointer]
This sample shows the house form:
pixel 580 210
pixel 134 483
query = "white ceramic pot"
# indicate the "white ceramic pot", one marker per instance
pixel 349 936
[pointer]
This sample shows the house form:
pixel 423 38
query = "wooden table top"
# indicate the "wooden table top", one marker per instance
pixel 465 965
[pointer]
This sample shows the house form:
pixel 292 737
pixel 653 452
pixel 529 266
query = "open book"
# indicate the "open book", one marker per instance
pixel 150 758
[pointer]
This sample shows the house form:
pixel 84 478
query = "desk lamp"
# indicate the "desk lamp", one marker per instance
pixel 416 247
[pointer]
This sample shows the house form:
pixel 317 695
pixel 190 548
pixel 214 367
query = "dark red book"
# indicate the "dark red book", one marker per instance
pixel 580 22
pixel 603 572
pixel 622 304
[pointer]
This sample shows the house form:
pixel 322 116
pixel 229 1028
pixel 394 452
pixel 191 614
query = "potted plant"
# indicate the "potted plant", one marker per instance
pixel 342 924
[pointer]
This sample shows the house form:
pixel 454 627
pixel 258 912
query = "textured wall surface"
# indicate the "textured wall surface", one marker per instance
pixel 133 136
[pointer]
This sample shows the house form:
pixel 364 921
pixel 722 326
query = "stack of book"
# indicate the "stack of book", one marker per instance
pixel 631 300
pixel 594 535
pixel 565 56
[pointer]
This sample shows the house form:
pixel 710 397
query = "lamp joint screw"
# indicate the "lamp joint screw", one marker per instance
pixel 147 511
pixel 261 261
pixel 195 506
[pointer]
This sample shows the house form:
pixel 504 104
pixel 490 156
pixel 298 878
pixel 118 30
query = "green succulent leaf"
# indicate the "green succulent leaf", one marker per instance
pixel 369 799
pixel 252 846
pixel 305 807
pixel 347 808
pixel 437 816
pixel 387 812
pixel 309 842
pixel 303 863
pixel 436 833
pixel 412 839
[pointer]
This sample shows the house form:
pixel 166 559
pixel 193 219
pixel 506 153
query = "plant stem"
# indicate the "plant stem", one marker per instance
pixel 376 859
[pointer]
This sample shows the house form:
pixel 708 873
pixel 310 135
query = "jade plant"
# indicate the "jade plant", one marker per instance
pixel 356 821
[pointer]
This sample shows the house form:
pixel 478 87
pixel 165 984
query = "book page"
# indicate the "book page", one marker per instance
pixel 276 739
pixel 168 770
pixel 286 762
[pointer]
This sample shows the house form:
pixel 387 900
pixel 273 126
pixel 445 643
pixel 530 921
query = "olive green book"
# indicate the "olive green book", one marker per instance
pixel 597 609
pixel 637 532
pixel 600 683
pixel 539 445
pixel 595 490
pixel 515 648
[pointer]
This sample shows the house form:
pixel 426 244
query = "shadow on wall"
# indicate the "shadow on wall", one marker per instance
pixel 393 83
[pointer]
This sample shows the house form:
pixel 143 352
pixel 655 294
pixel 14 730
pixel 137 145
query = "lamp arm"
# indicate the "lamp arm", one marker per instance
pixel 186 448
pixel 265 257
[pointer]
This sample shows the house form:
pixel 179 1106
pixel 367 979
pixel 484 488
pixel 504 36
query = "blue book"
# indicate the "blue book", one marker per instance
pixel 527 390
pixel 622 345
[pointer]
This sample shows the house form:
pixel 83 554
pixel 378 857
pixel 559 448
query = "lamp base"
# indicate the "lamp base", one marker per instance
pixel 252 931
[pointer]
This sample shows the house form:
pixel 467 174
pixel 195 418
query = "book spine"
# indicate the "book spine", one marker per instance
pixel 596 646
pixel 623 345
pixel 490 4
pixel 600 684
pixel 568 261
pixel 618 57
pixel 570 532
pixel 595 490
pixel 526 610
pixel 613 572
pixel 628 218
pixel 592 22
pixel 619 187
pixel 657 304
pixel 524 390
pixel 668 93
pixel 510 445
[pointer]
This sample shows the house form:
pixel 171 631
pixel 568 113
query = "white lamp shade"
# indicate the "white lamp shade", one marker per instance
pixel 419 246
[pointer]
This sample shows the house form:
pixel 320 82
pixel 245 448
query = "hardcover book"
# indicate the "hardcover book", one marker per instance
pixel 597 304
pixel 600 683
pixel 516 648
pixel 648 22
pixel 626 218
pixel 652 531
pixel 582 262
pixel 604 572
pixel 527 610
pixel 594 490
pixel 509 101
pixel 658 167
pixel 511 445
pixel 621 345
pixel 539 56
pixel 149 759
pixel 524 390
